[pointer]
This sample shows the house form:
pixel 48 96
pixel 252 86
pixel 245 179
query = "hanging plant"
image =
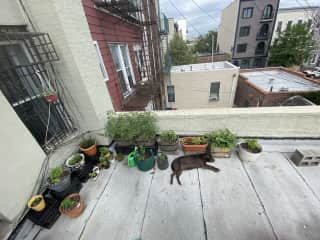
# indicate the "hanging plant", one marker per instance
pixel 50 96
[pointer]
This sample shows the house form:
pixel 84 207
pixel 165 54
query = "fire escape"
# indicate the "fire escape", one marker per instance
pixel 142 13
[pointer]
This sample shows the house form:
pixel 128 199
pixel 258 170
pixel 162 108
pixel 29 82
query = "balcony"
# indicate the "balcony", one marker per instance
pixel 263 36
pixel 267 18
pixel 125 203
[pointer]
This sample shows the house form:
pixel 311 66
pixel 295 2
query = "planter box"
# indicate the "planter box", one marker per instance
pixel 146 164
pixel 124 147
pixel 150 143
pixel 167 147
pixel 220 152
pixel 248 156
pixel 192 148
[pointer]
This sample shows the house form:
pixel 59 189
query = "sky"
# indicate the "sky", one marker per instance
pixel 199 22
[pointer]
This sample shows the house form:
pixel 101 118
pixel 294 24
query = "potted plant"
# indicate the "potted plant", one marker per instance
pixel 168 141
pixel 105 157
pixel 222 143
pixel 75 161
pixel 59 179
pixel 194 144
pixel 88 146
pixel 250 150
pixel 50 96
pixel 144 159
pixel 37 203
pixel 72 205
pixel 162 161
pixel 146 129
pixel 121 128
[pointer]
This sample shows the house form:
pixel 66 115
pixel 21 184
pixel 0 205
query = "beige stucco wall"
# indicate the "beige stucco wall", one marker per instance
pixel 21 161
pixel 227 27
pixel 11 13
pixel 192 89
pixel 277 122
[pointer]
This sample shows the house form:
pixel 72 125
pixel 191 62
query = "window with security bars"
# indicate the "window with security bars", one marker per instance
pixel 214 91
pixel 25 75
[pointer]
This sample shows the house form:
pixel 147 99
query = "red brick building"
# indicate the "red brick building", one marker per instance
pixel 118 35
pixel 267 87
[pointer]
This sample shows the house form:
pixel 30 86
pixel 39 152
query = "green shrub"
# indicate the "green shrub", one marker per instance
pixel 55 174
pixel 87 142
pixel 75 159
pixel 131 126
pixel 68 204
pixel 196 141
pixel 162 157
pixel 253 145
pixel 168 137
pixel 222 138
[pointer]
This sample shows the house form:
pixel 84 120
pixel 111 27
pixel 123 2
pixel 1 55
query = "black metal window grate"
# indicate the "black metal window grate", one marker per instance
pixel 26 73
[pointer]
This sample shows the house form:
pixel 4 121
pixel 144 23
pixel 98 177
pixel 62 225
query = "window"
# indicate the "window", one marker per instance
pixel 258 62
pixel 267 12
pixel 245 63
pixel 171 94
pixel 300 21
pixel 289 24
pixel 247 12
pixel 260 48
pixel 244 31
pixel 264 30
pixel 121 60
pixel 214 91
pixel 241 48
pixel 101 63
pixel 138 56
pixel 279 27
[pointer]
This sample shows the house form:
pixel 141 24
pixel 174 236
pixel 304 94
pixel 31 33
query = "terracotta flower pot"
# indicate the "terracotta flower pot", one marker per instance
pixel 38 207
pixel 77 210
pixel 91 151
pixel 192 148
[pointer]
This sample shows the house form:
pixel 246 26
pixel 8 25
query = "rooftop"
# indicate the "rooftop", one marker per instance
pixel 267 199
pixel 302 8
pixel 280 81
pixel 202 67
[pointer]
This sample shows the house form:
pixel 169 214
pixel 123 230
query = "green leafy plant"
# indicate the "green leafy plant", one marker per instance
pixel 87 142
pixel 55 174
pixel 75 159
pixel 168 137
pixel 222 138
pixel 92 174
pixel 105 156
pixel 140 153
pixel 253 145
pixel 162 157
pixel 198 141
pixel 131 126
pixel 68 204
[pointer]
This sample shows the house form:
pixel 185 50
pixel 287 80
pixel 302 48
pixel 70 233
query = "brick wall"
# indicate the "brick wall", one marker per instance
pixel 106 28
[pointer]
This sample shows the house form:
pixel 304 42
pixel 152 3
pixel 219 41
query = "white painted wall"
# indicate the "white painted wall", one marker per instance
pixel 294 15
pixel 277 122
pixel 10 13
pixel 227 27
pixel 182 23
pixel 192 89
pixel 21 161
pixel 66 23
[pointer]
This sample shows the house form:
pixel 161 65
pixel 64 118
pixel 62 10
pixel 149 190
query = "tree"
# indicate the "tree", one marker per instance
pixel 293 46
pixel 180 52
pixel 204 43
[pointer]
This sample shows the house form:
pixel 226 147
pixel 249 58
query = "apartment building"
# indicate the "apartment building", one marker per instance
pixel 307 14
pixel 246 30
pixel 271 87
pixel 203 85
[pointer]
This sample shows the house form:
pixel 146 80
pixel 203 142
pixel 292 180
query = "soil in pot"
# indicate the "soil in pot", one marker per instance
pixel 36 201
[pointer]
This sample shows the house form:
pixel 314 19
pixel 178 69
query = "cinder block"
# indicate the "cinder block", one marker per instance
pixel 306 157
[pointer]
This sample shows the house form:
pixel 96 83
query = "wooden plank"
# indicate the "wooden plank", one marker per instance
pixel 68 228
pixel 291 206
pixel 174 211
pixel 231 207
pixel 119 213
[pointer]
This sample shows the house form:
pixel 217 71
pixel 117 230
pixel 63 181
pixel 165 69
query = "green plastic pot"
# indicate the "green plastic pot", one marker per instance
pixel 147 164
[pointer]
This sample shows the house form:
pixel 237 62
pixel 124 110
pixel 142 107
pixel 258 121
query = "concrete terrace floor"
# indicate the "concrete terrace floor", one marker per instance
pixel 267 199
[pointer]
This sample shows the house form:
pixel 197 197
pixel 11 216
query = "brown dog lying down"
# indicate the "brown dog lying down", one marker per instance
pixel 189 162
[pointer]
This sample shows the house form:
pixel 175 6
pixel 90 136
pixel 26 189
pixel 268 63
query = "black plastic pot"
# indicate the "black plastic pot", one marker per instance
pixel 163 164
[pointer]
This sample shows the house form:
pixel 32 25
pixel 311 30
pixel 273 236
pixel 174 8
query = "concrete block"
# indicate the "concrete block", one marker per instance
pixel 306 157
